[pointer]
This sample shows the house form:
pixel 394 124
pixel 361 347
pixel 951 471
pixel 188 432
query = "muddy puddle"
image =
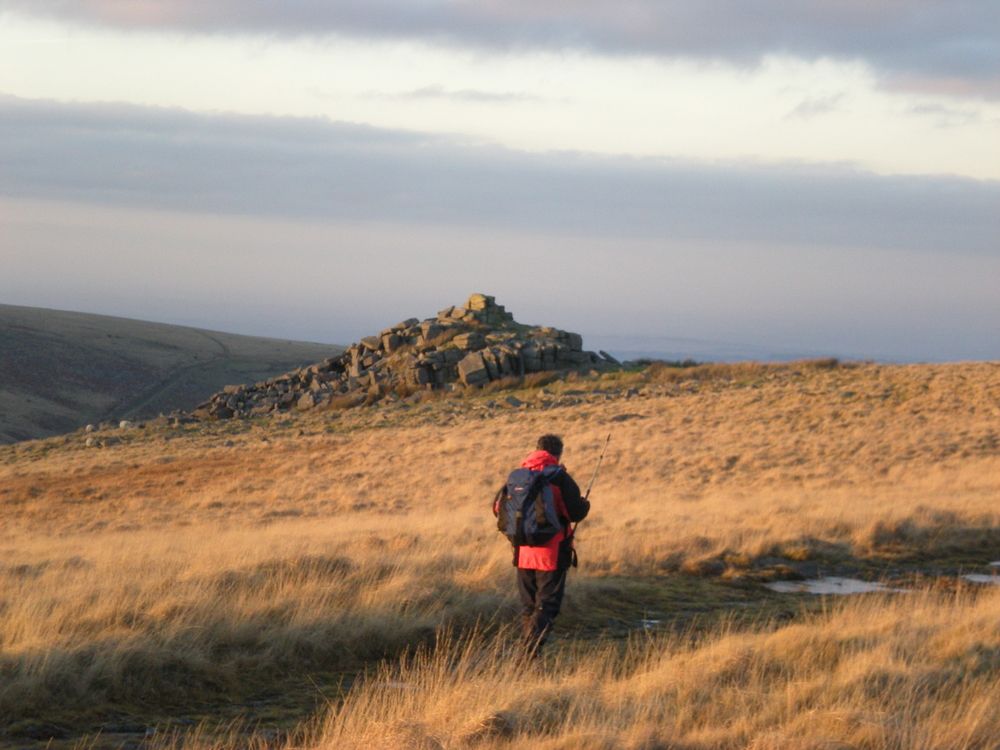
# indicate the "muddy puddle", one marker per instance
pixel 830 585
pixel 988 578
pixel 836 585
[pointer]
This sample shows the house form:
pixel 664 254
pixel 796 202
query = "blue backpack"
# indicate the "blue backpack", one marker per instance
pixel 526 507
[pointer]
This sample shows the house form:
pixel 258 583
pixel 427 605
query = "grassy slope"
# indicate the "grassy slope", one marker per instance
pixel 180 570
pixel 61 370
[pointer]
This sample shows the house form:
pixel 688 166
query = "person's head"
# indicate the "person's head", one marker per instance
pixel 551 443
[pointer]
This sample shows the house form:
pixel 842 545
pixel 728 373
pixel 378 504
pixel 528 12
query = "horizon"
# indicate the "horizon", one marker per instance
pixel 625 348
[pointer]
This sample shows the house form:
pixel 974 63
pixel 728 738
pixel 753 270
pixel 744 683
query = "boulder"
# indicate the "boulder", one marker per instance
pixel 480 302
pixel 472 370
pixel 470 341
pixel 430 330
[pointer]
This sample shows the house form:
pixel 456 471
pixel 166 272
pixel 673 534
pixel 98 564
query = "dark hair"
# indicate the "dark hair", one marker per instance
pixel 551 443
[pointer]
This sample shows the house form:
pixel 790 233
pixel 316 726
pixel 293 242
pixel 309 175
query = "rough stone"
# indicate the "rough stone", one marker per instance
pixel 480 302
pixel 470 341
pixel 472 370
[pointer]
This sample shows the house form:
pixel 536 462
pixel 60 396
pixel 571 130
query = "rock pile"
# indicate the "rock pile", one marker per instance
pixel 465 346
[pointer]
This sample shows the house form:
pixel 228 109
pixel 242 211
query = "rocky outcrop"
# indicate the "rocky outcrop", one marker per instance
pixel 463 347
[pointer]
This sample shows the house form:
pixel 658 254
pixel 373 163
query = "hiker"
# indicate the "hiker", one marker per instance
pixel 542 564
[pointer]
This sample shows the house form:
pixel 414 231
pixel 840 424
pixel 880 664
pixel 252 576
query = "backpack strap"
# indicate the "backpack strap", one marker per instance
pixel 499 498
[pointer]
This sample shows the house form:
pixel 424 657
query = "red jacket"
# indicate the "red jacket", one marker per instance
pixel 547 556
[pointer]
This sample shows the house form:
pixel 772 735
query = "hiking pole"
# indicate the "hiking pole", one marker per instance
pixel 597 468
pixel 593 479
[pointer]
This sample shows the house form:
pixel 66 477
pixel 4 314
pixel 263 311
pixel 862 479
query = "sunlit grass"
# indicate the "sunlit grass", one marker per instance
pixel 192 562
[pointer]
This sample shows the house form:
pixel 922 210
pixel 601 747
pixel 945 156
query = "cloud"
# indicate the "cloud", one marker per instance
pixel 926 44
pixel 812 106
pixel 947 117
pixel 130 155
pixel 437 91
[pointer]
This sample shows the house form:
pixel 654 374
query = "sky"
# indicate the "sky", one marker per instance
pixel 710 178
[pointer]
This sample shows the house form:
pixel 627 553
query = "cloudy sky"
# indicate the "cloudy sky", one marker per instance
pixel 708 178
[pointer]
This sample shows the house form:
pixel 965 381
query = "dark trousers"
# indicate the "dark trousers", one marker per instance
pixel 541 598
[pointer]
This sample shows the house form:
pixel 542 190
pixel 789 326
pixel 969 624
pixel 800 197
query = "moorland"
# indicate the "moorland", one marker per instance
pixel 60 370
pixel 334 579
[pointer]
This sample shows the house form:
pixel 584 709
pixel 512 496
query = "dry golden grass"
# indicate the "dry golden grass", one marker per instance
pixel 913 671
pixel 174 566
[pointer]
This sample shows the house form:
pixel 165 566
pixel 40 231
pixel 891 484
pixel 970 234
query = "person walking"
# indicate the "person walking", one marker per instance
pixel 542 567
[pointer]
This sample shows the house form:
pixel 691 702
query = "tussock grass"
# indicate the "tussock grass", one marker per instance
pixel 675 373
pixel 194 562
pixel 540 379
pixel 511 383
pixel 914 671
pixel 165 619
pixel 339 403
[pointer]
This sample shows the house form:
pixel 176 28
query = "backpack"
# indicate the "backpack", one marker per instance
pixel 526 507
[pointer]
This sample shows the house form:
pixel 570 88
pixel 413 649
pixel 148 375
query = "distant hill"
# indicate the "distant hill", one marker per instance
pixel 60 370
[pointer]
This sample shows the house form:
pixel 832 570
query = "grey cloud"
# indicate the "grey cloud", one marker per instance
pixel 812 106
pixel 947 117
pixel 926 44
pixel 294 167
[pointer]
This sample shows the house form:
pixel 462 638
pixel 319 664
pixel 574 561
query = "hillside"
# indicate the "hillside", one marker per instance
pixel 254 570
pixel 61 370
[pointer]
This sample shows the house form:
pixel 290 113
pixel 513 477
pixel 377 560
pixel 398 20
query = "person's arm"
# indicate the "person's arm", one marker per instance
pixel 576 506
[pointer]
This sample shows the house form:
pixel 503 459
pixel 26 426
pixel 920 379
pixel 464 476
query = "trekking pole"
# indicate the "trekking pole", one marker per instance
pixel 593 478
pixel 597 468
